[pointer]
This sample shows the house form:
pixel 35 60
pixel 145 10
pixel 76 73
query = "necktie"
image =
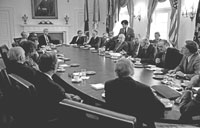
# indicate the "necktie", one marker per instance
pixel 47 39
pixel 77 39
pixel 125 31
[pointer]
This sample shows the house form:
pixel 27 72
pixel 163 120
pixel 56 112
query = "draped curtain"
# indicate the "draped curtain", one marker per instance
pixel 151 7
pixel 114 9
pixel 174 21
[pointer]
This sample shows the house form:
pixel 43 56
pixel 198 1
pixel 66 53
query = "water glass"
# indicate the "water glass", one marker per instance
pixel 83 72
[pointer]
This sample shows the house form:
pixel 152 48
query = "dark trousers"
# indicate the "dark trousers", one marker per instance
pixel 188 107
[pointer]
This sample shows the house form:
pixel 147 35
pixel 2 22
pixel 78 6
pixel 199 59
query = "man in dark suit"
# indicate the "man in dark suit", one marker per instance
pixel 121 45
pixel 49 92
pixel 128 96
pixel 44 39
pixel 146 52
pixel 127 31
pixel 104 40
pixel 95 40
pixel 79 40
pixel 167 57
pixel 16 56
pixel 190 64
pixel 110 45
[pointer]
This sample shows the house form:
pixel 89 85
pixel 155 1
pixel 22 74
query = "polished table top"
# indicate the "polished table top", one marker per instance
pixel 104 68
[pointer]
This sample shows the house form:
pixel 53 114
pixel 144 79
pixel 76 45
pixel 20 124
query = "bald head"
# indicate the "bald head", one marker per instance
pixel 121 37
pixel 17 54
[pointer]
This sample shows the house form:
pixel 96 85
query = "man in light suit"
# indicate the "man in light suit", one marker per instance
pixel 79 39
pixel 127 31
pixel 44 39
pixel 190 64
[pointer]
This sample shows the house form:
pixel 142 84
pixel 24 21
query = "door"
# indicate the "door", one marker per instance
pixel 6 25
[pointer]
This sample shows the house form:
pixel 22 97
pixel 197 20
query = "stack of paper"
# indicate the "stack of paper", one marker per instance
pixel 97 86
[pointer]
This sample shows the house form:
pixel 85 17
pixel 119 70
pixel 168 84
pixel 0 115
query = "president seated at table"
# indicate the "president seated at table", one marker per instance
pixel 128 96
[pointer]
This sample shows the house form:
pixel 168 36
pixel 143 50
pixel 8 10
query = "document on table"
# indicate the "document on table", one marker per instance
pixel 97 86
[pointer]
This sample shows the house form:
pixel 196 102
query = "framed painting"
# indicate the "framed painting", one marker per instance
pixel 44 9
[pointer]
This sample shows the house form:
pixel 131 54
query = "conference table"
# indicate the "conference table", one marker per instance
pixel 104 68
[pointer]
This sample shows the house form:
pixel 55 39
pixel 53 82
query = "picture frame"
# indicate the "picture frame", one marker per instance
pixel 44 9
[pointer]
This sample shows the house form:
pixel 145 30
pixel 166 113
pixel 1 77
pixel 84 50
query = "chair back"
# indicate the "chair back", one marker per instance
pixel 90 116
pixel 4 51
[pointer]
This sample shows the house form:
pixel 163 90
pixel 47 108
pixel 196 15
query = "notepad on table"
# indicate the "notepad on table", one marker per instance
pixel 97 86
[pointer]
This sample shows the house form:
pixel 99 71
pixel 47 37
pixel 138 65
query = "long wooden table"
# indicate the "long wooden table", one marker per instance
pixel 104 68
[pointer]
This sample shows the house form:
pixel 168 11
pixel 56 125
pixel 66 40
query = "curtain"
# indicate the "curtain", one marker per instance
pixel 110 19
pixel 197 26
pixel 86 18
pixel 151 7
pixel 174 21
pixel 96 14
pixel 130 7
pixel 113 7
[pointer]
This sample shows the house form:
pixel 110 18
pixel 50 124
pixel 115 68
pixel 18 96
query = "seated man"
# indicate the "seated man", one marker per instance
pixel 95 40
pixel 190 64
pixel 33 37
pixel 167 57
pixel 121 45
pixel 44 39
pixel 110 45
pixel 136 98
pixel 134 47
pixel 146 52
pixel 30 53
pixel 49 92
pixel 17 57
pixel 189 106
pixel 24 37
pixel 156 40
pixel 79 39
pixel 104 40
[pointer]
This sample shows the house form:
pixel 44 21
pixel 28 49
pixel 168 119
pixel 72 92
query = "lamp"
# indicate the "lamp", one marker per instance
pixel 25 18
pixel 137 17
pixel 66 19
pixel 191 14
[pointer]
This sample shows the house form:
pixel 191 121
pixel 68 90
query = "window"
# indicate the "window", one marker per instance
pixel 123 15
pixel 161 20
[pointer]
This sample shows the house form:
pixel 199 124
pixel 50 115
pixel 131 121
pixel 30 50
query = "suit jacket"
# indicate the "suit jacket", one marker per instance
pixel 80 41
pixel 94 42
pixel 172 58
pixel 190 69
pixel 49 94
pixel 22 70
pixel 42 40
pixel 128 96
pixel 147 56
pixel 133 48
pixel 129 36
pixel 103 42
pixel 121 46
pixel 110 45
